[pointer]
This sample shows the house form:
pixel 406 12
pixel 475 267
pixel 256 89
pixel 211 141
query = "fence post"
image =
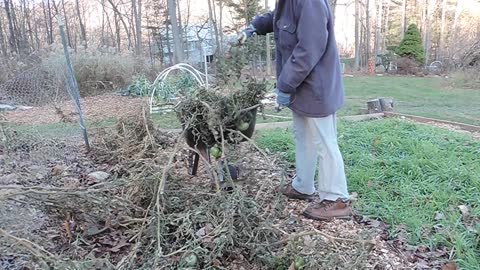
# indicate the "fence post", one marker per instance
pixel 72 84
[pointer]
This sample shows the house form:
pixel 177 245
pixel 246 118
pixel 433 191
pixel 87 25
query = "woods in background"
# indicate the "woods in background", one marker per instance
pixel 449 29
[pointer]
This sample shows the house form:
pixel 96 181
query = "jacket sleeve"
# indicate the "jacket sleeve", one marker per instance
pixel 312 36
pixel 264 23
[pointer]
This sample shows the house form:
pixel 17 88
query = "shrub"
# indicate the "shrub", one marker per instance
pixel 411 45
pixel 467 78
pixel 408 66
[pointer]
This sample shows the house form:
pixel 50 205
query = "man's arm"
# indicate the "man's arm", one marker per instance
pixel 263 24
pixel 312 37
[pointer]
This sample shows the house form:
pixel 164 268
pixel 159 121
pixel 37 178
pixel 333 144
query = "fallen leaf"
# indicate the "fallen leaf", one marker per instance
pixel 204 230
pixel 292 266
pixel 464 210
pixel 216 263
pixel 57 170
pixel 122 243
pixel 450 266
pixel 354 196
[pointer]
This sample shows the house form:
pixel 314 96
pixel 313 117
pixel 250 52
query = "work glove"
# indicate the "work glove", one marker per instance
pixel 282 100
pixel 247 33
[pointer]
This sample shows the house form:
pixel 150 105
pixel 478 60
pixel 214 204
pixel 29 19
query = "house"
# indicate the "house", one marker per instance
pixel 198 43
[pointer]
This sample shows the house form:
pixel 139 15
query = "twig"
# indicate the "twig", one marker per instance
pixel 145 121
pixel 250 141
pixel 249 108
pixel 31 247
pixel 224 162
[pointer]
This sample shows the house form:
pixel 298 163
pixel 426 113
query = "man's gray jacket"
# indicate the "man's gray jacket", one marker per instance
pixel 308 64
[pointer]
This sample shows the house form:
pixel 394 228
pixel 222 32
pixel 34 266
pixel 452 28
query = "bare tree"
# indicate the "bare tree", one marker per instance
pixel 50 22
pixel 441 40
pixel 119 17
pixel 177 40
pixel 368 30
pixel 357 35
pixel 212 20
pixel 404 17
pixel 12 39
pixel 83 31
pixel 137 13
pixel 430 10
pixel 3 47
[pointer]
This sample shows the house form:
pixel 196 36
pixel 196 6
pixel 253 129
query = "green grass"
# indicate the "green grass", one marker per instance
pixel 404 174
pixel 428 97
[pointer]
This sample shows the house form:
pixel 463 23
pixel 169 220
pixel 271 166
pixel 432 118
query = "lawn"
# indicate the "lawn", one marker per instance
pixel 428 97
pixel 411 176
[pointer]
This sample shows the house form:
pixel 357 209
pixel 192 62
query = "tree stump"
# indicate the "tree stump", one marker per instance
pixel 374 106
pixel 387 104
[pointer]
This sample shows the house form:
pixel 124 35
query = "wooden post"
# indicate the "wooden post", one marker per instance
pixel 374 106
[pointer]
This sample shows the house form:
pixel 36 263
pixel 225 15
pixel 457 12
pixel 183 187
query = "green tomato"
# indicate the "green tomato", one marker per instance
pixel 216 152
pixel 242 126
pixel 299 263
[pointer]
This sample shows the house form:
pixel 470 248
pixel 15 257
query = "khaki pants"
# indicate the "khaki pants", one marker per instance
pixel 316 145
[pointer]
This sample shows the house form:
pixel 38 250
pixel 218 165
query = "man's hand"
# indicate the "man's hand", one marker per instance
pixel 246 34
pixel 283 100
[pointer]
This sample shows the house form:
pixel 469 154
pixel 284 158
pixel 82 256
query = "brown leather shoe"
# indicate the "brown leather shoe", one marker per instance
pixel 328 210
pixel 291 193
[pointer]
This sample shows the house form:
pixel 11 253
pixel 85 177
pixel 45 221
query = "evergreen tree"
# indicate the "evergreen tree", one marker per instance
pixel 411 45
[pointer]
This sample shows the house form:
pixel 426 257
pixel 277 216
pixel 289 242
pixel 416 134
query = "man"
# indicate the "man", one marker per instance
pixel 309 82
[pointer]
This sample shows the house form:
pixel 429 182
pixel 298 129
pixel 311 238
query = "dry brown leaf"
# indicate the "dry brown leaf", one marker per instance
pixel 122 243
pixel 292 266
pixel 450 266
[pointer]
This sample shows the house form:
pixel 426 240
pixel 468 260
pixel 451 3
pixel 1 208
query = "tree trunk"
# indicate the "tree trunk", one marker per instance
pixel 182 32
pixel 35 31
pixel 67 27
pixel 458 12
pixel 404 18
pixel 428 29
pixel 178 51
pixel 83 32
pixel 50 23
pixel 386 30
pixel 441 40
pixel 12 39
pixel 18 33
pixel 169 46
pixel 378 28
pixel 374 106
pixel 3 47
pixel 368 30
pixel 117 32
pixel 136 9
pixel 29 28
pixel 213 23
pixel 220 4
pixel 357 35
